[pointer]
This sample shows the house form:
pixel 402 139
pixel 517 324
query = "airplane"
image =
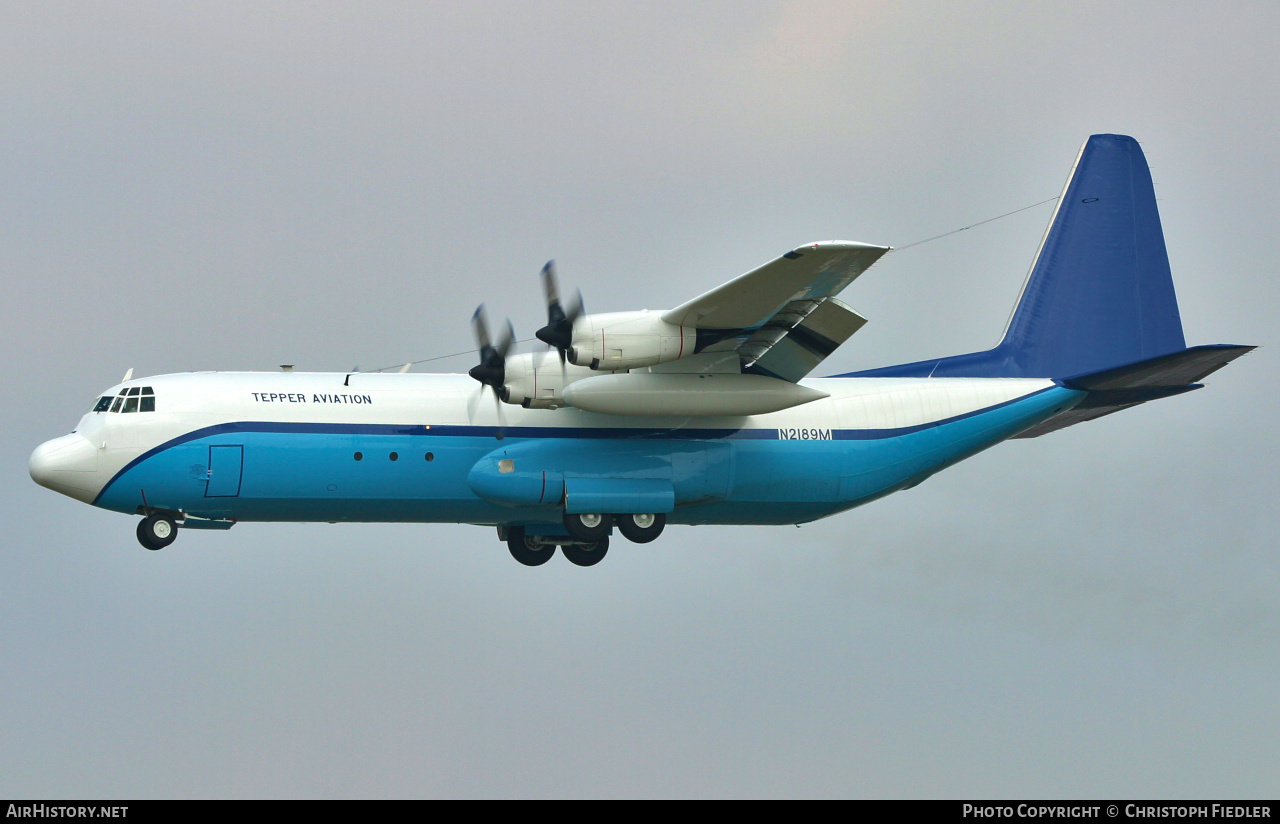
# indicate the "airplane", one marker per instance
pixel 701 414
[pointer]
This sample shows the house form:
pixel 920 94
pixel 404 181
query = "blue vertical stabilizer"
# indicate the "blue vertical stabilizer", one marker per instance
pixel 1099 293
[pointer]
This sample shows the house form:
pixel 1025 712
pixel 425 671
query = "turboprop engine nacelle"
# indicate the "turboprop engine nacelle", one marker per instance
pixel 629 340
pixel 536 380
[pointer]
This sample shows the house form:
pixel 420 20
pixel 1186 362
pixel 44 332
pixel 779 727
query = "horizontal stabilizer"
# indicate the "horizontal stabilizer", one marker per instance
pixel 1121 387
pixel 1175 369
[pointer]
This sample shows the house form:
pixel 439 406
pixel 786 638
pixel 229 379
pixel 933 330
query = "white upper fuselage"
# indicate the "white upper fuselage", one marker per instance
pixel 104 443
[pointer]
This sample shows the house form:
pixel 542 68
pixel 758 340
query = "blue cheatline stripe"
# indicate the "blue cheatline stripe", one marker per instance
pixel 530 432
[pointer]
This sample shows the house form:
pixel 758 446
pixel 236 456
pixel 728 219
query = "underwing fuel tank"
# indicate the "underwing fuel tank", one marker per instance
pixel 687 394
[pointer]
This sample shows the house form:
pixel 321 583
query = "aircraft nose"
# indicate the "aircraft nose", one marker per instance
pixel 68 465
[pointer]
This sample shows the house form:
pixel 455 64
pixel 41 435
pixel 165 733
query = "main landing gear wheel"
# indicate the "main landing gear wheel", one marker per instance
pixel 156 531
pixel 587 553
pixel 641 527
pixel 527 549
pixel 588 527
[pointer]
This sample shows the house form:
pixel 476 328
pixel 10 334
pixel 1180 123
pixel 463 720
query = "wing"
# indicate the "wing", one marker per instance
pixel 782 318
pixel 810 272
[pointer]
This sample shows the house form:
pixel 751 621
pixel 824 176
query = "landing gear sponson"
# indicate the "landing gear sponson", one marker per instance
pixel 588 538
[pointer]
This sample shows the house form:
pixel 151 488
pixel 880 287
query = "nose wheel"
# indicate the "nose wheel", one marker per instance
pixel 157 531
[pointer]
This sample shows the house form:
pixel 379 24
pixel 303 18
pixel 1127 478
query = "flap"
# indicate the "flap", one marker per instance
pixel 785 349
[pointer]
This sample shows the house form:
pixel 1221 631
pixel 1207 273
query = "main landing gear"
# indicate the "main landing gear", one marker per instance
pixel 588 538
pixel 536 550
pixel 529 550
pixel 642 527
pixel 157 531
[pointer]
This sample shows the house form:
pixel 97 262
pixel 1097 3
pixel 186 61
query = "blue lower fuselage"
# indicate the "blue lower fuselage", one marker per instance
pixel 271 471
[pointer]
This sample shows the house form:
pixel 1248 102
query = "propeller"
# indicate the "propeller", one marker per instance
pixel 492 369
pixel 559 329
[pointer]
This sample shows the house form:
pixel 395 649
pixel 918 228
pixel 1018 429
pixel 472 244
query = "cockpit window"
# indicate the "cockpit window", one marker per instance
pixel 131 399
pixel 103 404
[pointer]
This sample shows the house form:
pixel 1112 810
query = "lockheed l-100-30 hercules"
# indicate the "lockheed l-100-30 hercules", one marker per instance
pixel 701 414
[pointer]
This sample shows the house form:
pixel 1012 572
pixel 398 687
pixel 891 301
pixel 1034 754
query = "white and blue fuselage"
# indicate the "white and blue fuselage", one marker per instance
pixel 700 414
pixel 231 447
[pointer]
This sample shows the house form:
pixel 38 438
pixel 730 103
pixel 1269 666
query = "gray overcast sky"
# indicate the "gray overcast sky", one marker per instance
pixel 234 186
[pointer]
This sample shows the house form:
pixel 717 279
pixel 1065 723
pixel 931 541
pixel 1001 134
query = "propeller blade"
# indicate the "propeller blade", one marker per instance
pixel 502 416
pixel 508 341
pixel 547 354
pixel 549 283
pixel 575 312
pixel 570 318
pixel 480 327
pixel 559 329
pixel 492 369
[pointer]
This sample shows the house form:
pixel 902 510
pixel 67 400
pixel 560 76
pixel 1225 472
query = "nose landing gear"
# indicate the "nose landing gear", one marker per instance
pixel 157 531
